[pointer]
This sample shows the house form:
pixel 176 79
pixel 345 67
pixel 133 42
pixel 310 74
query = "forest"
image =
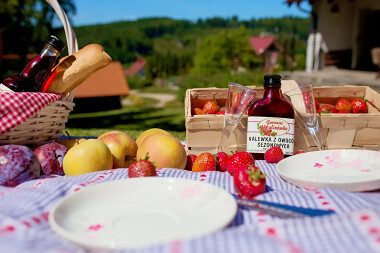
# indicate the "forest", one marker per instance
pixel 171 47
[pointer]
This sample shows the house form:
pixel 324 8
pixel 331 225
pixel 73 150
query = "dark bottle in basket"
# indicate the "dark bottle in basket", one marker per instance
pixel 37 70
pixel 270 121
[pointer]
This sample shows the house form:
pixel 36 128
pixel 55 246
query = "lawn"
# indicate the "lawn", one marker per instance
pixel 131 120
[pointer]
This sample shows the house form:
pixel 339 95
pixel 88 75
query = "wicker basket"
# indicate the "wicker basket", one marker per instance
pixel 47 124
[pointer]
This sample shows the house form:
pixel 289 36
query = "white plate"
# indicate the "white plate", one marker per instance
pixel 343 169
pixel 140 212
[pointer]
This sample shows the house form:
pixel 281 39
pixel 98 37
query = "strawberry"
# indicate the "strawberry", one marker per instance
pixel 221 113
pixel 343 105
pixel 359 106
pixel 236 102
pixel 222 161
pixel 190 161
pixel 210 107
pixel 317 105
pixel 249 182
pixel 142 168
pixel 204 162
pixel 198 111
pixel 300 152
pixel 273 155
pixel 238 160
pixel 325 109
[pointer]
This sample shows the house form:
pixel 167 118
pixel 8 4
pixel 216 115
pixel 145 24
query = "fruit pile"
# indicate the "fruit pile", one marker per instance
pixel 210 107
pixel 153 149
pixel 344 106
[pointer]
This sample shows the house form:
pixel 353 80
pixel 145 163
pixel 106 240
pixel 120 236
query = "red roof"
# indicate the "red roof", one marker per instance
pixel 108 81
pixel 260 44
pixel 135 68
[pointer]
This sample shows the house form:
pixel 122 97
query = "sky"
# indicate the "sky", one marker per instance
pixel 90 12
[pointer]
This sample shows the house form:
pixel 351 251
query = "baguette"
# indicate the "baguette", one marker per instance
pixel 72 70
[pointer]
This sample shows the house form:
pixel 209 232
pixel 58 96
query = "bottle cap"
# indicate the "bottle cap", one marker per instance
pixel 56 43
pixel 272 80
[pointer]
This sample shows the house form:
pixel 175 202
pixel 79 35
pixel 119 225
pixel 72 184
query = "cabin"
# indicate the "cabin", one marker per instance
pixel 269 49
pixel 136 69
pixel 102 91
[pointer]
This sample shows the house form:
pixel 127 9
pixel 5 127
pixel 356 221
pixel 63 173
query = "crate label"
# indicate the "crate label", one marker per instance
pixel 266 132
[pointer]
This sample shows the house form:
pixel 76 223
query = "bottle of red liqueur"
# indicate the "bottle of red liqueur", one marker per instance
pixel 270 121
pixel 37 70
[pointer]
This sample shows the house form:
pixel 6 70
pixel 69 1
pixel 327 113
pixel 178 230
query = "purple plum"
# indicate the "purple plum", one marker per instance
pixel 17 164
pixel 50 156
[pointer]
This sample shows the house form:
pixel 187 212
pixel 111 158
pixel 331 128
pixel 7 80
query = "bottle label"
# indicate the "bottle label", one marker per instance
pixel 266 132
pixel 4 88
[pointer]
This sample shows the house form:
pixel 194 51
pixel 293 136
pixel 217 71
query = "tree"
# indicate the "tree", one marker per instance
pixel 224 52
pixel 25 24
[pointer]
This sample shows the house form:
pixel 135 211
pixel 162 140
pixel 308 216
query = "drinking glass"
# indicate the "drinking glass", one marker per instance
pixel 302 100
pixel 239 99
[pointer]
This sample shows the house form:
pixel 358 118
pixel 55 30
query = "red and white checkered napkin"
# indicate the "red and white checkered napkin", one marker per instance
pixel 17 107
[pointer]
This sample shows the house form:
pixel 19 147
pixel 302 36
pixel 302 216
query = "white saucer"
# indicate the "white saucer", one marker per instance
pixel 343 169
pixel 140 212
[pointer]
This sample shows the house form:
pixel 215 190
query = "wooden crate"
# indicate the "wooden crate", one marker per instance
pixel 203 132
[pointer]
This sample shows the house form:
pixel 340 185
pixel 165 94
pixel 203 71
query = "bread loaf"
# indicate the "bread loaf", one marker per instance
pixel 72 70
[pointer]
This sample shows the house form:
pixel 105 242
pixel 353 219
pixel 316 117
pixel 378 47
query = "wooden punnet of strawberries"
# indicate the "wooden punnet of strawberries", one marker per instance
pixel 344 106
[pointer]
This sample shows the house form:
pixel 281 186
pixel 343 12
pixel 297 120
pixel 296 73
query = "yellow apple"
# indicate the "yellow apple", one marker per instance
pixel 164 151
pixel 148 132
pixel 122 147
pixel 88 156
pixel 69 143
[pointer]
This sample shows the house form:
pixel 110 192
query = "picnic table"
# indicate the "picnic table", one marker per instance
pixel 355 227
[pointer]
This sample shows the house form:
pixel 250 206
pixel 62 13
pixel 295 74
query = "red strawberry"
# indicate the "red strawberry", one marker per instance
pixel 210 107
pixel 190 161
pixel 317 105
pixel 236 101
pixel 198 111
pixel 273 155
pixel 299 152
pixel 238 160
pixel 359 106
pixel 221 113
pixel 325 109
pixel 343 105
pixel 142 168
pixel 222 159
pixel 249 182
pixel 204 162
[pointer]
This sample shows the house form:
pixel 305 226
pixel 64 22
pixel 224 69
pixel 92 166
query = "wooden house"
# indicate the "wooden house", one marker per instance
pixel 269 49
pixel 137 68
pixel 349 29
pixel 102 90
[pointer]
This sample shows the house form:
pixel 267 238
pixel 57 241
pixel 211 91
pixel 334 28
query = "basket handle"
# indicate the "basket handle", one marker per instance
pixel 71 39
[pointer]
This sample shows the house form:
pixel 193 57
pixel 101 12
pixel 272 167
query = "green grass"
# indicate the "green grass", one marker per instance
pixel 131 120
pixel 132 133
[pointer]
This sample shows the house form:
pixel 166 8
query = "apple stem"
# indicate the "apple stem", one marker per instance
pixel 68 135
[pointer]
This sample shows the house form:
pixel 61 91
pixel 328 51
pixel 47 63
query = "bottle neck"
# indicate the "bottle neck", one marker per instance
pixel 39 67
pixel 273 92
pixel 49 50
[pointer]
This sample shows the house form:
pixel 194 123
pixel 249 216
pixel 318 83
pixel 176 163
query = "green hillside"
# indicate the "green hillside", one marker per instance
pixel 125 41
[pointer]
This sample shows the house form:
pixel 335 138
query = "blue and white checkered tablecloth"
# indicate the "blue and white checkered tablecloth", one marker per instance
pixel 355 227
